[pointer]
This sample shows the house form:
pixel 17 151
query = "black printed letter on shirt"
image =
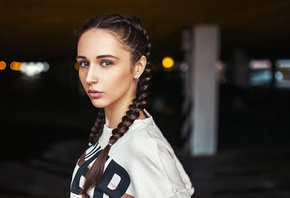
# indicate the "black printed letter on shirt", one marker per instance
pixel 82 171
pixel 121 188
pixel 112 169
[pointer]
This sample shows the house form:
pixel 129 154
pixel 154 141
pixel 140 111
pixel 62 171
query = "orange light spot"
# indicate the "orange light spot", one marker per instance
pixel 77 66
pixel 167 62
pixel 16 66
pixel 2 65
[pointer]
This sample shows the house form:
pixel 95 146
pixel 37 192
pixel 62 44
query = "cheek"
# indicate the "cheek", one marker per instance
pixel 120 75
pixel 120 81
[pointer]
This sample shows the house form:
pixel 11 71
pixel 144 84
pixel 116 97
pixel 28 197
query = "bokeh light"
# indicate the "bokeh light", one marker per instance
pixel 30 69
pixel 77 66
pixel 15 66
pixel 34 68
pixel 2 65
pixel 283 63
pixel 46 66
pixel 167 62
pixel 260 64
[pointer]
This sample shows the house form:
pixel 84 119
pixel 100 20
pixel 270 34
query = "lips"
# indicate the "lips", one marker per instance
pixel 94 94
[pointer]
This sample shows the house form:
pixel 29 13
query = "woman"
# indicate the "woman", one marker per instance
pixel 128 155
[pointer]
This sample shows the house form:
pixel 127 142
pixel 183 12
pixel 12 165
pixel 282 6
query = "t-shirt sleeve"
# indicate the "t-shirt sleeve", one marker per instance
pixel 155 169
pixel 174 171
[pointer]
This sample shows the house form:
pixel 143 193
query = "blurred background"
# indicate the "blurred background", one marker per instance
pixel 45 117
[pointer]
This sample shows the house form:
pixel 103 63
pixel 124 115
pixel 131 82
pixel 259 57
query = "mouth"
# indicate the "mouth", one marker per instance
pixel 94 94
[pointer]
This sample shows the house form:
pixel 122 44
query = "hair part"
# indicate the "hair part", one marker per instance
pixel 134 37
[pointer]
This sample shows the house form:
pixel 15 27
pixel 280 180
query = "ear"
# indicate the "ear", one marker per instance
pixel 140 66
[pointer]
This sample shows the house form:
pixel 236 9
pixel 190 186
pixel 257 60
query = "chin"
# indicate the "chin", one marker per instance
pixel 98 104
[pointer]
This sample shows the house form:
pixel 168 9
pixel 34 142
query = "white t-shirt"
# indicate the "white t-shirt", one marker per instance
pixel 141 164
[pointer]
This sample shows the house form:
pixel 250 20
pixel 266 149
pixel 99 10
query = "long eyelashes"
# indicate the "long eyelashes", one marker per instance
pixel 103 63
pixel 106 63
pixel 84 63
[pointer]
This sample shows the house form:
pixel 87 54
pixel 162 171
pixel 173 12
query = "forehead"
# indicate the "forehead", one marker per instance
pixel 98 42
pixel 94 38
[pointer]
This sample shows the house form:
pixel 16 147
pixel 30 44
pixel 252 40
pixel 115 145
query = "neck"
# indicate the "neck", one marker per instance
pixel 114 116
pixel 115 112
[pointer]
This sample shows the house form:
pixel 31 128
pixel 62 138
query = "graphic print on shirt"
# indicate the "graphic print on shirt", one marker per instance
pixel 115 180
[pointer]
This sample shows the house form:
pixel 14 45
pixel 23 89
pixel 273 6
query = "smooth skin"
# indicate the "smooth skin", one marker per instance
pixel 105 66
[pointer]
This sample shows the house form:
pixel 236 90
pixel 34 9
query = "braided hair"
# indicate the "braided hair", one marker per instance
pixel 134 37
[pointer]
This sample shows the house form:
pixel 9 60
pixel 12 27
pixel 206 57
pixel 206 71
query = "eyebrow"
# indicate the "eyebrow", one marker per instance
pixel 80 57
pixel 107 56
pixel 98 57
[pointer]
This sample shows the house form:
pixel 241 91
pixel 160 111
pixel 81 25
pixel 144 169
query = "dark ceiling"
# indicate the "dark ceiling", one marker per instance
pixel 44 29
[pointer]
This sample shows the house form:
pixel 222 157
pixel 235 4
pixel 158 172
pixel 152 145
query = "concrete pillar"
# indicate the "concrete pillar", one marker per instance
pixel 205 53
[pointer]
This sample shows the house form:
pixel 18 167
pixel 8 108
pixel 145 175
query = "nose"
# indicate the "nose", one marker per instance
pixel 92 75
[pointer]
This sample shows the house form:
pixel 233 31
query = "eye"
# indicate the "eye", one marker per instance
pixel 83 63
pixel 106 63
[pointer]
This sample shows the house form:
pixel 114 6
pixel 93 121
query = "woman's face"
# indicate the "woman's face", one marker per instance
pixel 106 71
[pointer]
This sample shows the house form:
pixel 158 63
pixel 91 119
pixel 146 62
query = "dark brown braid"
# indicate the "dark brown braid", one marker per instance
pixel 138 105
pixel 135 38
pixel 97 129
